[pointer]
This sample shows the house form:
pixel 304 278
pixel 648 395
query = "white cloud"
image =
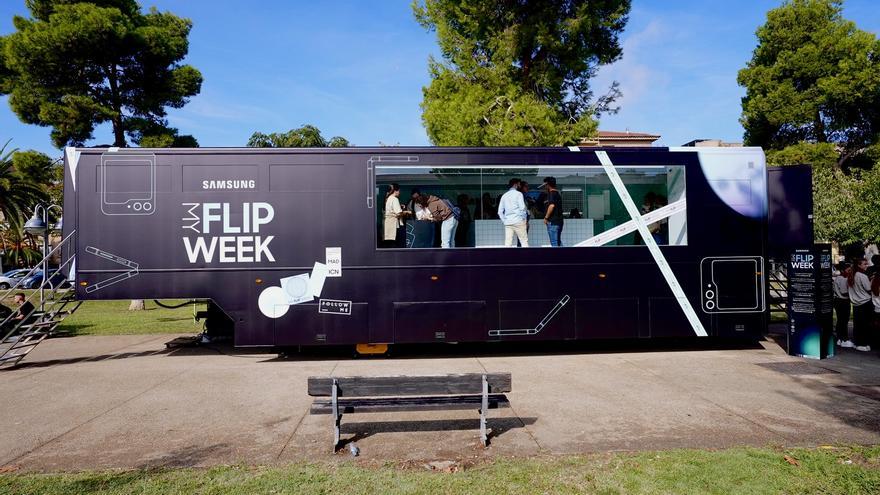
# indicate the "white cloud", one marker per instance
pixel 632 71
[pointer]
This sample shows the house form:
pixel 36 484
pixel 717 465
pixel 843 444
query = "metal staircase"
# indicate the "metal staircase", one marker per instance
pixel 52 303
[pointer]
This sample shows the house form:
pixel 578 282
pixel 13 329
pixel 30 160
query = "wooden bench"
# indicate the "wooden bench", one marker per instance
pixel 365 394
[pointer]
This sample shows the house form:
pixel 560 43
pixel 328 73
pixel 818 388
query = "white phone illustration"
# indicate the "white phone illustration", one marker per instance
pixel 128 183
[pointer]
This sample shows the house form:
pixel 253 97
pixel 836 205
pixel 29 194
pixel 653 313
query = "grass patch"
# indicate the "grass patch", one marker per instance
pixel 838 470
pixel 114 318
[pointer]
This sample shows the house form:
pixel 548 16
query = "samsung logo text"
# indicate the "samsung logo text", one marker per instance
pixel 229 184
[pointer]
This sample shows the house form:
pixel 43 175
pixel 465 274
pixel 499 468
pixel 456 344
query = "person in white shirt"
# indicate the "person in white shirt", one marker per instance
pixel 392 228
pixel 863 310
pixel 875 299
pixel 513 214
pixel 842 306
pixel 420 212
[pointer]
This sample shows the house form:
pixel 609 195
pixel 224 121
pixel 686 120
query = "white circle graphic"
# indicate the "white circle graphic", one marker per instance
pixel 297 287
pixel 273 302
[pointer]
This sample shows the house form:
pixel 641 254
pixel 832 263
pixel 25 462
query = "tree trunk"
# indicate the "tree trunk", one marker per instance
pixel 118 131
pixel 821 136
pixel 137 305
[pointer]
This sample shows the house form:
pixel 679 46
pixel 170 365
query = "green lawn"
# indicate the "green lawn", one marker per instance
pixel 843 470
pixel 114 318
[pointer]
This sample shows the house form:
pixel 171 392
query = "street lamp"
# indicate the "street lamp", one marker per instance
pixel 39 225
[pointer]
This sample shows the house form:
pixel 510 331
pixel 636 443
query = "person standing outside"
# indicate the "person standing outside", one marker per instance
pixel 513 214
pixel 842 306
pixel 875 265
pixel 863 308
pixel 25 309
pixel 875 300
pixel 553 212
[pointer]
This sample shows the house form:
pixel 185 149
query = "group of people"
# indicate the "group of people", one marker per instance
pixel 23 312
pixel 857 289
pixel 514 208
pixel 515 214
pixel 421 207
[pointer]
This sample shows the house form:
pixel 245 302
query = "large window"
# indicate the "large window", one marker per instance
pixel 592 212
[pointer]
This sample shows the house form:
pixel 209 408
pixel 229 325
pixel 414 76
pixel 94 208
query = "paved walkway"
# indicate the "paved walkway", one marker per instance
pixel 125 401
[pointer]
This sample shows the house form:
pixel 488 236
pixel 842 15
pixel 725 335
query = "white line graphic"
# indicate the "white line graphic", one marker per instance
pixel 642 227
pixel 533 331
pixel 119 260
pixel 630 226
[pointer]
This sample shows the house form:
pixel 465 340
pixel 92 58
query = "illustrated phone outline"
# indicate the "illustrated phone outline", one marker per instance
pixel 138 203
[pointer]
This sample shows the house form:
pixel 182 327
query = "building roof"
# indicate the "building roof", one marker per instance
pixel 620 138
pixel 626 135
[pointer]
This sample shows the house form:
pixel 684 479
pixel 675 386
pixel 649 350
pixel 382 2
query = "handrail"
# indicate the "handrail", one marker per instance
pixel 45 282
pixel 38 265
pixel 53 290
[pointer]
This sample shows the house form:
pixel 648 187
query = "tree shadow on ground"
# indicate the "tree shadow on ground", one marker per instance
pixel 25 364
pixel 191 456
pixel 845 387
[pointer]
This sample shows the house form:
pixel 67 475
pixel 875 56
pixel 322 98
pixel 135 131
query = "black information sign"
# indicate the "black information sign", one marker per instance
pixel 810 303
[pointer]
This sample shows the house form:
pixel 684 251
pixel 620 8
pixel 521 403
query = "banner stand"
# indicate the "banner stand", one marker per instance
pixel 810 304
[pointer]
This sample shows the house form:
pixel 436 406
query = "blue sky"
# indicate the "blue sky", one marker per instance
pixel 356 69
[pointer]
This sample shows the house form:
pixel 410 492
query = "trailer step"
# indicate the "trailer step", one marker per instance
pixel 19 338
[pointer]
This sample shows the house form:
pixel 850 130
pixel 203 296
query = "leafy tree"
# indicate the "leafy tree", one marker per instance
pixel 147 134
pixel 39 169
pixel 75 64
pixel 846 206
pixel 815 77
pixel 19 246
pixel 307 136
pixel 18 193
pixel 35 167
pixel 517 73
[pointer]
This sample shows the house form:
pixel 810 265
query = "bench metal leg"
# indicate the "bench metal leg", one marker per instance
pixel 484 439
pixel 337 418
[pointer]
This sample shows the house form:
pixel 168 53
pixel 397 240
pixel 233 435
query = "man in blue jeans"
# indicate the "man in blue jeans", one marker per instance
pixel 553 211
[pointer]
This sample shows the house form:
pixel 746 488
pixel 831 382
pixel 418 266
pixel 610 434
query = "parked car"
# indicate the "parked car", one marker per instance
pixel 56 279
pixel 10 278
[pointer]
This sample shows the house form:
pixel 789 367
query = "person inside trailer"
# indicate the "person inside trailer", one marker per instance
pixel 441 212
pixel 419 231
pixel 394 233
pixel 513 213
pixel 553 218
pixel 418 211
pixel 465 222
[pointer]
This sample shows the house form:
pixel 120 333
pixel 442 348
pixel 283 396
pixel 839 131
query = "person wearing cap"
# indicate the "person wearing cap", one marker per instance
pixel 513 214
pixel 553 211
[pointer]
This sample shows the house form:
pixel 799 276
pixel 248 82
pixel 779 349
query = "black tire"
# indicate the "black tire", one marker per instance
pixel 4 286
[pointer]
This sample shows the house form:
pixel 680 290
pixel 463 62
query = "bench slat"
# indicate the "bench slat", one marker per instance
pixel 447 403
pixel 377 386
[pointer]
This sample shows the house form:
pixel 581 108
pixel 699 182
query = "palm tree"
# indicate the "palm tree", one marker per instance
pixel 17 193
pixel 19 246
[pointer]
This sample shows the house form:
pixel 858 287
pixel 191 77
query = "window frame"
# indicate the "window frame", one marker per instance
pixel 375 195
